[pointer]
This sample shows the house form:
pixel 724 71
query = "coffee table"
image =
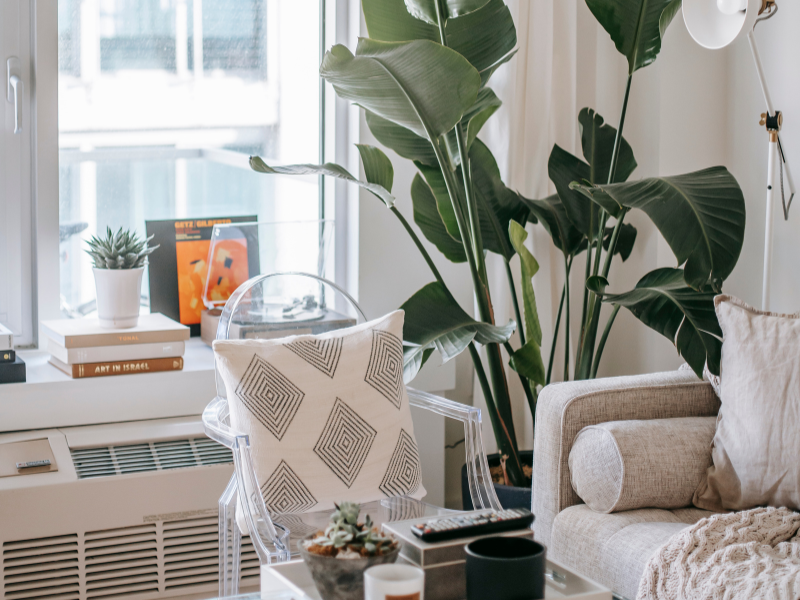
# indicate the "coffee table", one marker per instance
pixel 293 578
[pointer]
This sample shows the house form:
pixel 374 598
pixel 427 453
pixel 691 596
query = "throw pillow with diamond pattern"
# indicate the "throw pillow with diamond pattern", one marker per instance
pixel 327 415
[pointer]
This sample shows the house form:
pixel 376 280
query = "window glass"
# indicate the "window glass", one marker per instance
pixel 161 102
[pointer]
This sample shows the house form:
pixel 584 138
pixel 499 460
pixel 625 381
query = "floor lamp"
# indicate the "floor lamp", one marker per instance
pixel 715 24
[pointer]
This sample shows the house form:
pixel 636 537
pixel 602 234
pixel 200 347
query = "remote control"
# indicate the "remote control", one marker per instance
pixel 469 525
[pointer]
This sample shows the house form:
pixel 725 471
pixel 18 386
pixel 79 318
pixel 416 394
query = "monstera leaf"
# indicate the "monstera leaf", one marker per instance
pixel 636 26
pixel 328 169
pixel 403 82
pixel 662 301
pixel 701 215
pixel 485 37
pixel 434 319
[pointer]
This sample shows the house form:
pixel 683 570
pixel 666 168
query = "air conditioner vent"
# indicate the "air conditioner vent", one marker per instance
pixel 121 562
pixel 114 563
pixel 154 456
pixel 45 568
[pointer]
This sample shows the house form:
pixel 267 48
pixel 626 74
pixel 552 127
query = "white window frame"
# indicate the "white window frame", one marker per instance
pixel 29 203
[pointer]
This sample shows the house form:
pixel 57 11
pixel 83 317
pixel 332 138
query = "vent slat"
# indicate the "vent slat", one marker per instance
pixel 190 531
pixel 120 532
pixel 140 458
pixel 192 556
pixel 67 593
pixel 123 590
pixel 98 580
pixel 138 536
pixel 114 566
pixel 46 586
pixel 118 558
pixel 121 549
pixel 40 542
pixel 47 553
pixel 36 566
pixel 17 579
pixel 195 547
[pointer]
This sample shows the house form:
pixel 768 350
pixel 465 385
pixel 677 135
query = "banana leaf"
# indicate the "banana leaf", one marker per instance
pixel 662 301
pixel 636 27
pixel 701 216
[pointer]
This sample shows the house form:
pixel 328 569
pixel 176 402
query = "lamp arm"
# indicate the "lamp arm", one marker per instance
pixel 760 70
pixel 784 164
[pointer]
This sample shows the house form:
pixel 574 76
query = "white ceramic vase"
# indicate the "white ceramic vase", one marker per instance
pixel 118 292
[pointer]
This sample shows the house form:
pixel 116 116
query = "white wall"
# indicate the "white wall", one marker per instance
pixel 747 155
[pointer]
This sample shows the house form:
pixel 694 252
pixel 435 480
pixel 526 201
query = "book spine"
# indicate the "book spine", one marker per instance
pixel 7 356
pixel 121 338
pixel 126 367
pixel 115 353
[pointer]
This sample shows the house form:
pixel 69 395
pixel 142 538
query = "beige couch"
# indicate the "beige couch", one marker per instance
pixel 612 549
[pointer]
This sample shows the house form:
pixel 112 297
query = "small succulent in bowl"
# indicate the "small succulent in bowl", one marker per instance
pixel 338 556
pixel 121 250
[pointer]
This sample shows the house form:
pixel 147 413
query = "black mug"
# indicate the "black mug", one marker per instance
pixel 505 568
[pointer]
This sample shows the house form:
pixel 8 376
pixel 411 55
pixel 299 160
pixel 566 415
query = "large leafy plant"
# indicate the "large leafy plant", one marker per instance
pixel 421 78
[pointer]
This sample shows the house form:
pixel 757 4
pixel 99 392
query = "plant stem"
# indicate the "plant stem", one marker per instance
pixel 499 426
pixel 420 247
pixel 585 361
pixel 515 302
pixel 601 346
pixel 555 338
pixel 613 243
pixel 612 172
pixel 566 321
pixel 529 394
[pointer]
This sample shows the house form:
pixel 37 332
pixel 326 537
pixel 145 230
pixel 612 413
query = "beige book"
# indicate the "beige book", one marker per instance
pixel 87 333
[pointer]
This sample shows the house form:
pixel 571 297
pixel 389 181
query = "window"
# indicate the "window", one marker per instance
pixel 160 104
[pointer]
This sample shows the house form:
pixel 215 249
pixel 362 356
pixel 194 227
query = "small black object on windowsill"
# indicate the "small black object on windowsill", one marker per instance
pixel 12 372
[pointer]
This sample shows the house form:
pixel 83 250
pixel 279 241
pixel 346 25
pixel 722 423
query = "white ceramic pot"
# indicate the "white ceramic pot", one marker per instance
pixel 118 292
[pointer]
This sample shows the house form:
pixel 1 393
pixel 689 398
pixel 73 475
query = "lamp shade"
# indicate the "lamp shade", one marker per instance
pixel 712 28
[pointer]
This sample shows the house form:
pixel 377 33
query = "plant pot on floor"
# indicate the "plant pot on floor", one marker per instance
pixel 509 495
pixel 118 293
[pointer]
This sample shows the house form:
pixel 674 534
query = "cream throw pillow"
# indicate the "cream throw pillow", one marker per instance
pixel 756 448
pixel 327 415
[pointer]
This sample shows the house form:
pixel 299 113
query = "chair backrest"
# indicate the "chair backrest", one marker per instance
pixel 284 304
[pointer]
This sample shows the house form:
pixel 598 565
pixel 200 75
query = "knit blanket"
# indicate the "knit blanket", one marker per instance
pixel 754 554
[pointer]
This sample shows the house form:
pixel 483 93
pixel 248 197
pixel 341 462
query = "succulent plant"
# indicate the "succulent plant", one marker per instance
pixel 121 250
pixel 345 533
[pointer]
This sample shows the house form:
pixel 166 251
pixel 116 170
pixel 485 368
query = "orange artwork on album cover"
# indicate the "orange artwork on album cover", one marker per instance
pixel 229 269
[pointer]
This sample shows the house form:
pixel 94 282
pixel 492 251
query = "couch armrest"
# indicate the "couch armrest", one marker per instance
pixel 564 409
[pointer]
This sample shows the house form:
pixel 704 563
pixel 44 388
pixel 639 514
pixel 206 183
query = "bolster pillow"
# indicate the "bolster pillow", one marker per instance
pixel 625 465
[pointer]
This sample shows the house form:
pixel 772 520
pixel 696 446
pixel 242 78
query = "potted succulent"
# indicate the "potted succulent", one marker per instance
pixel 119 261
pixel 338 557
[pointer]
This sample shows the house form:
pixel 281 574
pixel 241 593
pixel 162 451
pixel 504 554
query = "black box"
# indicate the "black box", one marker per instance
pixel 7 356
pixel 13 372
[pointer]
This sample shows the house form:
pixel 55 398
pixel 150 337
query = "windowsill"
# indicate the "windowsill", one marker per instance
pixel 50 398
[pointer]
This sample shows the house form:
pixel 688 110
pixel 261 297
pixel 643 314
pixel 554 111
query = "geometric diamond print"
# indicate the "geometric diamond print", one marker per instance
pixel 270 396
pixel 345 442
pixel 403 475
pixel 322 354
pixel 284 492
pixel 385 369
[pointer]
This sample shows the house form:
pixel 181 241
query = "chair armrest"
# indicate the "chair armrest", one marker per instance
pixel 566 408
pixel 216 421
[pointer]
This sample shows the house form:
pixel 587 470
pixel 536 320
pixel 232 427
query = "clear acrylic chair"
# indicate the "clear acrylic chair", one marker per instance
pixel 284 304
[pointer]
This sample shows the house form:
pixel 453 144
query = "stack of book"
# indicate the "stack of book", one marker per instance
pixel 12 367
pixel 82 348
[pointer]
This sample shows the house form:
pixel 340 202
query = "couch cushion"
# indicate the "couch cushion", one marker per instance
pixel 613 549
pixel 657 463
pixel 756 445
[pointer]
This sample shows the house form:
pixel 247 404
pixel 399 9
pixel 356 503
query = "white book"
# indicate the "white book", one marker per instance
pixel 79 356
pixel 6 338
